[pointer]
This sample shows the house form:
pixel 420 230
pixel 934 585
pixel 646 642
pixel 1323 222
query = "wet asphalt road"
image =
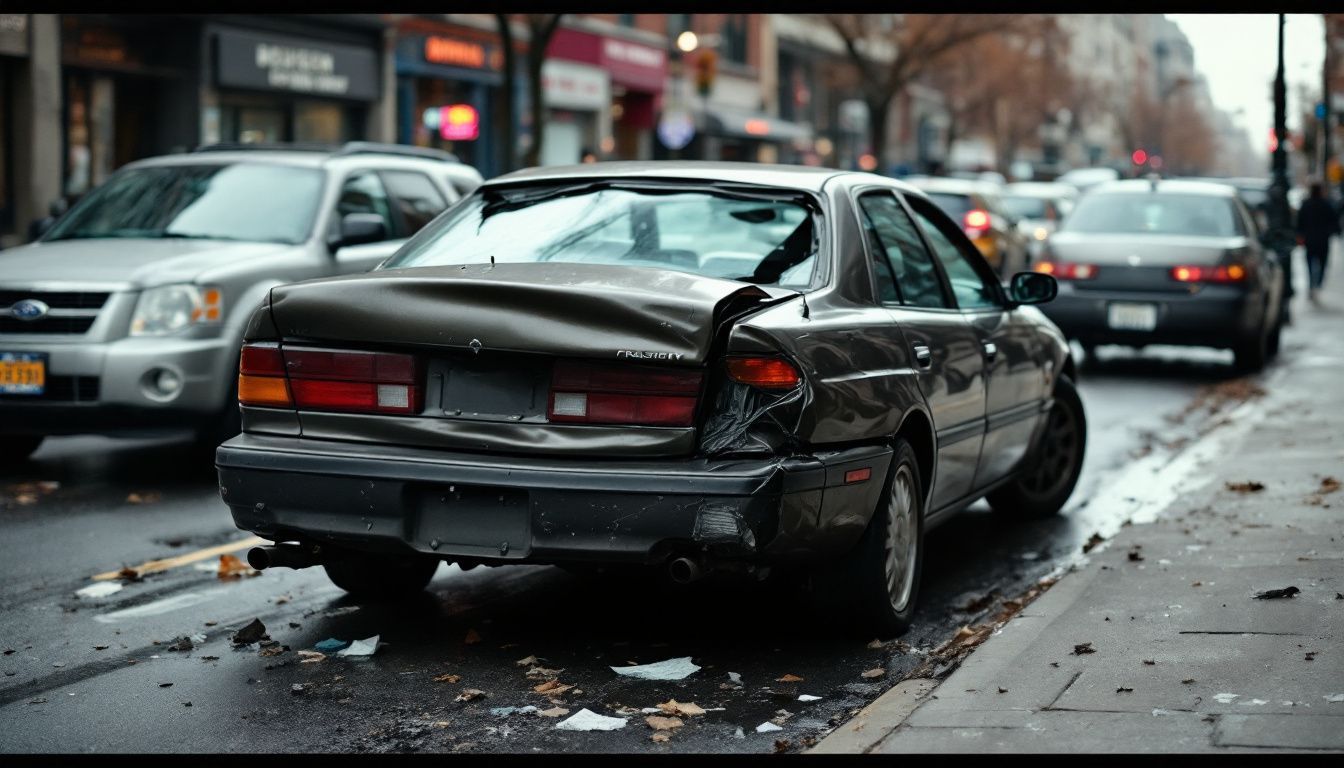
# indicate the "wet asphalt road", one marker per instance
pixel 85 674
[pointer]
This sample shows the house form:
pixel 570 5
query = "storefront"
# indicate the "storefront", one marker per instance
pixel 129 93
pixel 578 112
pixel 277 87
pixel 636 74
pixel 449 84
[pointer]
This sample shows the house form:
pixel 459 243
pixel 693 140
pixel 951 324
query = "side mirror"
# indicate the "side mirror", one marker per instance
pixel 360 228
pixel 1032 288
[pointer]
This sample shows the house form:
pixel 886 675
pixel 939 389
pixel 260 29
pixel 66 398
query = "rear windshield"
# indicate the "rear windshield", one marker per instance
pixel 954 206
pixel 1024 207
pixel 753 239
pixel 244 201
pixel 1154 213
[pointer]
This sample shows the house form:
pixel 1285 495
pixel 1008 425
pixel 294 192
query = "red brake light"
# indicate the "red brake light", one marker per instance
pixel 1232 273
pixel 763 372
pixel 1065 270
pixel 976 219
pixel 261 377
pixel 330 380
pixel 594 393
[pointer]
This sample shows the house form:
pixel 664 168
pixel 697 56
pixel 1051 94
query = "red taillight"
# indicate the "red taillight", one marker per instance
pixel 329 380
pixel 595 393
pixel 763 372
pixel 975 222
pixel 1232 273
pixel 1064 270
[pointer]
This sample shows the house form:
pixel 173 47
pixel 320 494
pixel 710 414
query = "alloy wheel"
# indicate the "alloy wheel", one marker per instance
pixel 902 531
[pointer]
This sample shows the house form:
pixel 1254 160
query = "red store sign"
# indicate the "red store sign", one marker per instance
pixel 635 66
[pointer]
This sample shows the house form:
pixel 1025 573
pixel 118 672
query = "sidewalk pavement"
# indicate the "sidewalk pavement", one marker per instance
pixel 1157 644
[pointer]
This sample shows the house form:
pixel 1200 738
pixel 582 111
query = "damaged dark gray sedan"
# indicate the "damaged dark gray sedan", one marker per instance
pixel 698 367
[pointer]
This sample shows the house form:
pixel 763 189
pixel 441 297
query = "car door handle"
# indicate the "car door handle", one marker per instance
pixel 923 356
pixel 991 350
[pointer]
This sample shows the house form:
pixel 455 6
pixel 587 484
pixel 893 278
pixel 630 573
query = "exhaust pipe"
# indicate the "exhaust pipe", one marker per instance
pixel 281 556
pixel 684 570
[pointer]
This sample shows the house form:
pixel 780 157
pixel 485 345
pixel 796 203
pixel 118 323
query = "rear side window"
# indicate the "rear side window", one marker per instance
pixel 905 273
pixel 415 197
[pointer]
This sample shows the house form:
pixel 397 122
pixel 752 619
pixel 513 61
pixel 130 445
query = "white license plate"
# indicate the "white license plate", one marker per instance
pixel 1132 317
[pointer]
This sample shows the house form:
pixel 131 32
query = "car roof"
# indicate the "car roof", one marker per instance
pixel 944 184
pixel 806 177
pixel 1040 189
pixel 1179 186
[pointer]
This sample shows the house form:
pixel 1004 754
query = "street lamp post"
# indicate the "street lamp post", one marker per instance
pixel 1279 215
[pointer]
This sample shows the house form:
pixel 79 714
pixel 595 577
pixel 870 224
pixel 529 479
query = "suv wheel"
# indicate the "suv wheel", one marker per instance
pixel 382 577
pixel 879 580
pixel 16 448
pixel 1046 478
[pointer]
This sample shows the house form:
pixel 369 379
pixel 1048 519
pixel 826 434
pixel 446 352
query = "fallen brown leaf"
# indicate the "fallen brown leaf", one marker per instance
pixel 542 673
pixel 552 688
pixel 128 574
pixel 790 678
pixel 1082 648
pixel 469 694
pixel 1329 485
pixel 231 568
pixel 1092 541
pixel 554 712
pixel 875 645
pixel 873 673
pixel 310 657
pixel 674 707
pixel 450 678
pixel 1250 486
pixel 660 737
pixel 782 745
pixel 660 723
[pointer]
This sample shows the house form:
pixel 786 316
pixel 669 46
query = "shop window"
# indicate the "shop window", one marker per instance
pixel 321 123
pixel 734 38
pixel 625 19
pixel 363 193
pixel 415 196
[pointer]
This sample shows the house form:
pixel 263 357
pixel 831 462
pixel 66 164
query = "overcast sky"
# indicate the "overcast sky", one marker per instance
pixel 1237 53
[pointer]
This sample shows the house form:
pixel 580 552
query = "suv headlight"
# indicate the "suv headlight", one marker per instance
pixel 170 308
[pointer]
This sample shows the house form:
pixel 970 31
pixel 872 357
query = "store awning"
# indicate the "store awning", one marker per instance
pixel 717 121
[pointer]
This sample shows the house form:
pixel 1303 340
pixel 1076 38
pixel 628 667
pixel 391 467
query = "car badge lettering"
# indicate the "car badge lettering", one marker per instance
pixel 643 355
pixel 29 309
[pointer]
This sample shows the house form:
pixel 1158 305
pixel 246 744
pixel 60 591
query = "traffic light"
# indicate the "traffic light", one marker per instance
pixel 705 67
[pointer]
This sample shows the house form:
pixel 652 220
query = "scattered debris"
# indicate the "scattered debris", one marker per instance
pixel 1250 486
pixel 331 645
pixel 789 679
pixel 165 685
pixel 470 694
pixel 296 688
pixel 1273 594
pixel 671 669
pixel 128 573
pixel 875 672
pixel 1134 556
pixel 552 687
pixel 660 737
pixel 1149 662
pixel 1082 648
pixel 542 673
pixel 875 645
pixel 661 723
pixel 1092 542
pixel 587 720
pixel 809 697
pixel 1123 689
pixel 1197 584
pixel 506 711
pixel 1311 656
pixel 527 662
pixel 99 589
pixel 310 657
pixel 361 648
pixel 738 734
pixel 1334 698
pixel 101 647
pixel 1188 681
pixel 1225 698
pixel 472 638
pixel 782 745
pixel 183 643
pixel 1329 485
pixel 554 712
pixel 37 701
pixel 736 679
pixel 232 569
pixel 1002 689
pixel 150 497
pixel 209 658
pixel 674 707
pixel 249 634
pixel 449 678
pixel 767 727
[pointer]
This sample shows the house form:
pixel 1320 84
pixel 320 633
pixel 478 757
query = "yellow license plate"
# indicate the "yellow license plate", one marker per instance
pixel 22 374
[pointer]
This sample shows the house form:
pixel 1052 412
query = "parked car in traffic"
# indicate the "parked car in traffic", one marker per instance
pixel 126 317
pixel 1039 207
pixel 697 367
pixel 976 206
pixel 1148 261
pixel 1085 179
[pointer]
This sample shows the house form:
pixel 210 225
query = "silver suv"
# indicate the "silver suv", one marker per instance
pixel 127 316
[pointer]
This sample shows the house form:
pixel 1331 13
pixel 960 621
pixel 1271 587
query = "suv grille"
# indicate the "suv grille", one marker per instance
pixel 71 312
pixel 65 389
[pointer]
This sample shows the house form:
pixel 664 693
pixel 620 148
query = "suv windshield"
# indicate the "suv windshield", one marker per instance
pixel 1155 213
pixel 762 240
pixel 1025 206
pixel 246 201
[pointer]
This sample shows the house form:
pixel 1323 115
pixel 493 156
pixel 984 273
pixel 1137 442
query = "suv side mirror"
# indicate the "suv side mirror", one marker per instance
pixel 360 228
pixel 1032 288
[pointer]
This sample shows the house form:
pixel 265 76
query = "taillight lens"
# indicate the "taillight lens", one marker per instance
pixel 1065 270
pixel 597 393
pixel 763 372
pixel 330 380
pixel 1232 273
pixel 975 223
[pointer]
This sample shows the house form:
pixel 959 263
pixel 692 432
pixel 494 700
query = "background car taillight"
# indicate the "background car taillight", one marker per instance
pixel 599 393
pixel 329 380
pixel 1066 270
pixel 1232 273
pixel 975 223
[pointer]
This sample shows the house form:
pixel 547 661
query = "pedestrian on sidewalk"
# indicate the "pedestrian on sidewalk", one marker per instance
pixel 1317 222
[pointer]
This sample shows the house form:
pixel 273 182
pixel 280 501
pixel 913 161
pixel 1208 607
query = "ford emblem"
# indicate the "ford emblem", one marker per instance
pixel 29 309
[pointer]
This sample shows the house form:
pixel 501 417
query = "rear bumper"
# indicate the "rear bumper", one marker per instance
pixel 1217 316
pixel 494 509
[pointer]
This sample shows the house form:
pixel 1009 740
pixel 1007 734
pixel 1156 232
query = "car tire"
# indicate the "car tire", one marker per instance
pixel 16 448
pixel 1047 476
pixel 1275 338
pixel 877 584
pixel 382 577
pixel 1250 355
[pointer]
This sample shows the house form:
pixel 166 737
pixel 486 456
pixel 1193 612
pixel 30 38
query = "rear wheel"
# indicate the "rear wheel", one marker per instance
pixel 1275 335
pixel 1046 478
pixel 16 448
pixel 384 577
pixel 1251 354
pixel 879 581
